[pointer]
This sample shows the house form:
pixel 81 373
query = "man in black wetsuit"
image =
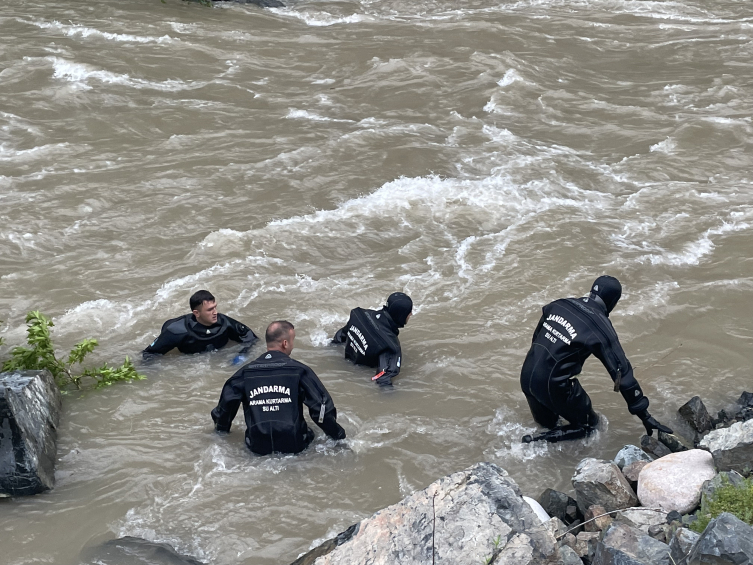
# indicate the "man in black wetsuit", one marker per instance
pixel 371 337
pixel 273 390
pixel 204 329
pixel 567 334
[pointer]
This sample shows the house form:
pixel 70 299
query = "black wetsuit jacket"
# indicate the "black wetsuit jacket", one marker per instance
pixel 273 390
pixel 371 339
pixel 570 330
pixel 189 336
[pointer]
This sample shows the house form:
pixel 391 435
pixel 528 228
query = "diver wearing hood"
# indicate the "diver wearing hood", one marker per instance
pixel 570 330
pixel 371 337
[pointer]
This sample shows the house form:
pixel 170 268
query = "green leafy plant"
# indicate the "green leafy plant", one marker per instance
pixel 727 498
pixel 40 354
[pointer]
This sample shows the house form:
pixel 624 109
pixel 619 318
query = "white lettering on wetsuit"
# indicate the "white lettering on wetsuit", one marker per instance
pixel 360 336
pixel 267 389
pixel 556 333
pixel 564 323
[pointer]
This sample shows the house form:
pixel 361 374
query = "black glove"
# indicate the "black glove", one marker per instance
pixel 651 424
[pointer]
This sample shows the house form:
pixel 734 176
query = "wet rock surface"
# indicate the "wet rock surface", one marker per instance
pixel 623 545
pixel 694 412
pixel 731 447
pixel 726 539
pixel 654 447
pixel 136 551
pixel 674 482
pixel 559 504
pixel 455 520
pixel 601 483
pixel 30 407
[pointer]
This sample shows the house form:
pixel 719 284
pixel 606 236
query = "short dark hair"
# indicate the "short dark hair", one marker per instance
pixel 200 297
pixel 278 330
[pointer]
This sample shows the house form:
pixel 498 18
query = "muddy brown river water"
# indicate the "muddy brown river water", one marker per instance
pixel 484 157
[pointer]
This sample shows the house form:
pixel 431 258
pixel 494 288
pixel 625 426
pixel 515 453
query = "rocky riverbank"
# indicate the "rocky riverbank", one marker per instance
pixel 638 509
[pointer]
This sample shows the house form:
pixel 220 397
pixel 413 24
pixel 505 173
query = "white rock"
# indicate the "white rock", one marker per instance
pixel 537 509
pixel 674 482
pixel 731 447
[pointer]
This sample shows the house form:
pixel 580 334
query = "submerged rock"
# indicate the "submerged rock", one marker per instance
pixel 464 518
pixel 694 412
pixel 136 551
pixel 601 482
pixel 726 539
pixel 623 545
pixel 731 447
pixel 674 482
pixel 30 406
pixel 654 447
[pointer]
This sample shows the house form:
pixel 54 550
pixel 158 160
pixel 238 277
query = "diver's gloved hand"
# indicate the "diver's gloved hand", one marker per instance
pixel 651 424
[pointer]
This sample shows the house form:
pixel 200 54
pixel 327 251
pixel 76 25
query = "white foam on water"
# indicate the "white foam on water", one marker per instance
pixel 694 251
pixel 667 146
pixel 322 19
pixel 294 114
pixel 102 316
pixel 511 76
pixel 74 30
pixel 82 74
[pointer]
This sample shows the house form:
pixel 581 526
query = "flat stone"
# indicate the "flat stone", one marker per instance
pixel 694 412
pixel 641 518
pixel 731 447
pixel 726 539
pixel 601 482
pixel 559 504
pixel 654 447
pixel 681 543
pixel 596 519
pixel 675 442
pixel 630 454
pixel 585 543
pixel 455 520
pixel 674 482
pixel 633 471
pixel 623 545
pixel 569 557
pixel 724 478
pixel 30 406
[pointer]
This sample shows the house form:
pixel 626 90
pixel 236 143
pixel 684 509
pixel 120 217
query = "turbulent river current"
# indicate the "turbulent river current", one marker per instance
pixel 484 157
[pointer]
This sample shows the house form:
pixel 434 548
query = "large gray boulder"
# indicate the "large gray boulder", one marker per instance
pixel 30 406
pixel 454 521
pixel 623 545
pixel 731 447
pixel 601 483
pixel 674 482
pixel 726 539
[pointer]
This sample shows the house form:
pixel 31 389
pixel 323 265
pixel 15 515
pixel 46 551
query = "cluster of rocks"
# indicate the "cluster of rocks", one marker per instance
pixel 634 510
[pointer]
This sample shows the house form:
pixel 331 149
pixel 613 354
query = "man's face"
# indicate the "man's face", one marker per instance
pixel 206 313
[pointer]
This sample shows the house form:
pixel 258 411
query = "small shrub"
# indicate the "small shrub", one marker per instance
pixel 727 498
pixel 41 355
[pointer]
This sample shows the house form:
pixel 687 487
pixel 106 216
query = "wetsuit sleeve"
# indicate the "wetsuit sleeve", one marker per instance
pixel 619 368
pixel 230 400
pixel 341 335
pixel 166 341
pixel 240 332
pixel 321 407
pixel 389 363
